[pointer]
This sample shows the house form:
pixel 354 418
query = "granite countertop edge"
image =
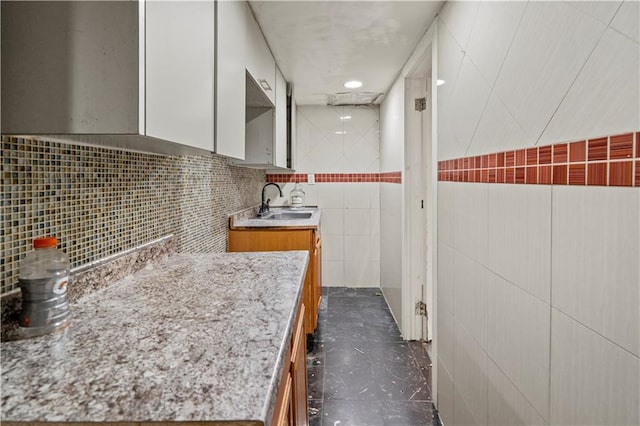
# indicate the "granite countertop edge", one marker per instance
pixel 260 370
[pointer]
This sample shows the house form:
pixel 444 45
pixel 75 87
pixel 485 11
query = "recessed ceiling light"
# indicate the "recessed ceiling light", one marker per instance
pixel 345 117
pixel 440 82
pixel 353 84
pixel 341 133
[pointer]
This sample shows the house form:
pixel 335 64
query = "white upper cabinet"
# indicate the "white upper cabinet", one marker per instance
pixel 280 142
pixel 112 70
pixel 230 78
pixel 260 63
pixel 180 72
pixel 70 67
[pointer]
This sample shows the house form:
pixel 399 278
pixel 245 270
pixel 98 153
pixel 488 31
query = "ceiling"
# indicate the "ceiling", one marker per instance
pixel 319 45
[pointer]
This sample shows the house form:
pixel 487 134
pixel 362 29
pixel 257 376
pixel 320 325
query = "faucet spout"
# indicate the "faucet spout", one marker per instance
pixel 264 205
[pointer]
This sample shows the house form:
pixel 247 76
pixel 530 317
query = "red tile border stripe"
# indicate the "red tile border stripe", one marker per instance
pixel 602 161
pixel 387 177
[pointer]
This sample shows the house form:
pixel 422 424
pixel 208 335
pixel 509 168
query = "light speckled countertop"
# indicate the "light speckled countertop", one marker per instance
pixel 191 338
pixel 246 219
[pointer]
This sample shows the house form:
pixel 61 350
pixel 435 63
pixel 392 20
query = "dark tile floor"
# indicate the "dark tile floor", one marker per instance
pixel 360 371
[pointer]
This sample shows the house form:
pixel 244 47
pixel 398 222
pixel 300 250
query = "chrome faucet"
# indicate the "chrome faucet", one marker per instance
pixel 264 205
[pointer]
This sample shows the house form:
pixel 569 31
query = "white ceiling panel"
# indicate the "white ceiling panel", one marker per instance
pixel 319 45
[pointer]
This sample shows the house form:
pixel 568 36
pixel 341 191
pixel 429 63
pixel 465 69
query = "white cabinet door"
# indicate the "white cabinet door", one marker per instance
pixel 260 62
pixel 230 79
pixel 180 46
pixel 280 143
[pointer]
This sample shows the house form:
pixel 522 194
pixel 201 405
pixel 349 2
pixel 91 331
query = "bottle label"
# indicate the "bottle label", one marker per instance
pixel 60 287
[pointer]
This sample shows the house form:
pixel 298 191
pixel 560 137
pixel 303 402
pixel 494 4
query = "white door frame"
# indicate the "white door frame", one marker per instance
pixel 413 291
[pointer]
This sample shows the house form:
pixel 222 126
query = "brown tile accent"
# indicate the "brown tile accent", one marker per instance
pixel 544 175
pixel 492 160
pixel 531 176
pixel 620 173
pixel 597 149
pixel 577 151
pixel 577 174
pixel 621 146
pixel 509 158
pixel 597 174
pixel 532 156
pixel 544 155
pixel 560 153
pixel 509 175
pixel 597 161
pixel 637 173
pixel 560 175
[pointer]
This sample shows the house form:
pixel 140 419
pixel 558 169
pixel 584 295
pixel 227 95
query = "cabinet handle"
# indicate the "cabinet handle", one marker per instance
pixel 265 84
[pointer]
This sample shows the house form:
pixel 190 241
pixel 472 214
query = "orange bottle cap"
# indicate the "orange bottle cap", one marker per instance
pixel 45 242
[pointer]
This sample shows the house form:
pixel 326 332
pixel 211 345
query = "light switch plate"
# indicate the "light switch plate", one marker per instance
pixel 311 179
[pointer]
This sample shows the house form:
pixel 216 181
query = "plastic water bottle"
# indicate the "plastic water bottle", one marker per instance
pixel 44 277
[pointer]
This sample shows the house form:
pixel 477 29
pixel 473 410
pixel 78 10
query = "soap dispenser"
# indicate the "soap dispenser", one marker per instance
pixel 296 197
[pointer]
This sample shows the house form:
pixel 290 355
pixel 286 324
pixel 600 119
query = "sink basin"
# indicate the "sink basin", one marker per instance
pixel 288 215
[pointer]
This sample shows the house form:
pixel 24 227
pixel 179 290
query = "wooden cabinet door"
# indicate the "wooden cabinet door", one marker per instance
pixel 318 273
pixel 299 372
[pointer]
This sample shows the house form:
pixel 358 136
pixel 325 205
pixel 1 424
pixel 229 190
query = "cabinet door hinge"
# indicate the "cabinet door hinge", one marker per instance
pixel 421 104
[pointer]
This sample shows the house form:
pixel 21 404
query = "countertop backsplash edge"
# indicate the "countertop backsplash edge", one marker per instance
pixel 90 278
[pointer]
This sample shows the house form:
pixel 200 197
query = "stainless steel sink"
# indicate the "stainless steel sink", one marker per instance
pixel 287 215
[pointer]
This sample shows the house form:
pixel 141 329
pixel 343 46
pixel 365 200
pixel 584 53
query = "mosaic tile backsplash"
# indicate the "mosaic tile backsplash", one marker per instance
pixel 100 201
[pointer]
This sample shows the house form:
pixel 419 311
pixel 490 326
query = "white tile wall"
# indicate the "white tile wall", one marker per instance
pixel 470 297
pixel 518 328
pixel 445 395
pixel 470 98
pixel 470 375
pixel 470 220
pixel 555 71
pixel 446 340
pixel 446 276
pixel 626 20
pixel 551 45
pixel 498 130
pixel 595 260
pixel 459 19
pixel 520 236
pixel 506 405
pixel 350 211
pixel 604 81
pixel 489 43
pixel 593 381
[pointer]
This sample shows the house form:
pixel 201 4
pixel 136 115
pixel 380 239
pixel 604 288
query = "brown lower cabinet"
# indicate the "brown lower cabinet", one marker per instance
pixel 291 407
pixel 283 239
